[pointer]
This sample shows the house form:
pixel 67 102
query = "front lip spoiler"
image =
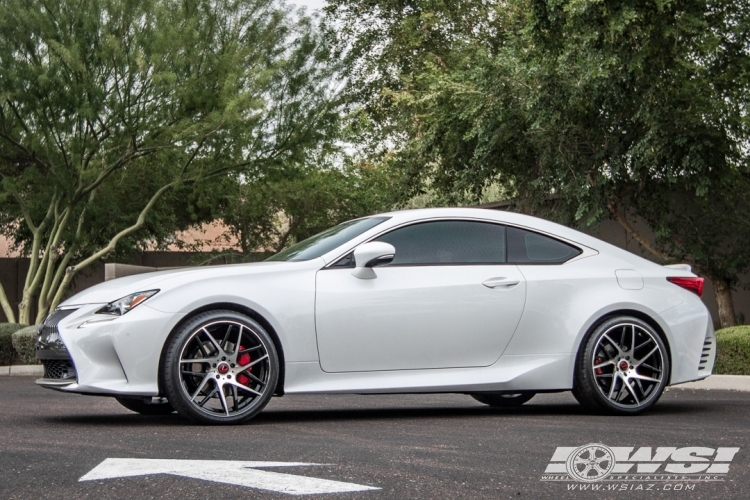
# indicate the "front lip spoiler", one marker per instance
pixel 55 383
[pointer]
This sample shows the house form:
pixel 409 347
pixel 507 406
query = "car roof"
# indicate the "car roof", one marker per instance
pixel 513 218
pixel 399 217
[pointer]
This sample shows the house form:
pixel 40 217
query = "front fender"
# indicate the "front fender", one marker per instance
pixel 286 299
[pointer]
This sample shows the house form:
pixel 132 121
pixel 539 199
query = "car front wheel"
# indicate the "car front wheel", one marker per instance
pixel 220 367
pixel 622 367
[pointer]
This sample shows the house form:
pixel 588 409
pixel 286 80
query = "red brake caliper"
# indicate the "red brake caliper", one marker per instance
pixel 598 371
pixel 244 360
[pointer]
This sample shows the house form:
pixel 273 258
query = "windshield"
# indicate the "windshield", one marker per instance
pixel 324 242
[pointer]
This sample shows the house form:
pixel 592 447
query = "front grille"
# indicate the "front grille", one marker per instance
pixel 708 346
pixel 53 319
pixel 48 344
pixel 58 369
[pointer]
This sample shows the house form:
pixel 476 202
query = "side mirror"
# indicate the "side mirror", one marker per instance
pixel 369 255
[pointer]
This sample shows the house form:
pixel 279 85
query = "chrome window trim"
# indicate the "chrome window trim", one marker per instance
pixel 585 251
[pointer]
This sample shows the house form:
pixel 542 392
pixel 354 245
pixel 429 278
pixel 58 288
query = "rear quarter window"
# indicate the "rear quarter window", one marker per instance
pixel 528 247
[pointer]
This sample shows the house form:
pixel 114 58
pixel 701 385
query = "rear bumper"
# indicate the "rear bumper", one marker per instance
pixel 692 341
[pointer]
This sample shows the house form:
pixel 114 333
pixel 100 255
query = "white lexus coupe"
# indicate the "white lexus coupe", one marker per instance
pixel 496 305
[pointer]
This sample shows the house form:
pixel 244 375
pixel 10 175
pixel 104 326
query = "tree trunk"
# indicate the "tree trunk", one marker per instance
pixel 24 308
pixel 725 303
pixel 7 309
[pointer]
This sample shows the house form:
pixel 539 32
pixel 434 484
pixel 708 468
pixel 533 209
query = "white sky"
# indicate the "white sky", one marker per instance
pixel 310 4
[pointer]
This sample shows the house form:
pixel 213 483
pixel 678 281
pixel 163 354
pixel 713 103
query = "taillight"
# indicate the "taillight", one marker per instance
pixel 694 285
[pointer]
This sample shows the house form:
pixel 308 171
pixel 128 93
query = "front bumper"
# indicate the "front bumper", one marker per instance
pixel 118 357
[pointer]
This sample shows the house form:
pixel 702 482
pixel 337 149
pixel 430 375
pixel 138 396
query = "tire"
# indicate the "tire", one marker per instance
pixel 231 372
pixel 622 367
pixel 146 407
pixel 503 399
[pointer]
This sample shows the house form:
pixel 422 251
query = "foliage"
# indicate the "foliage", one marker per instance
pixel 733 351
pixel 411 66
pixel 582 109
pixel 23 342
pixel 7 353
pixel 115 117
pixel 270 214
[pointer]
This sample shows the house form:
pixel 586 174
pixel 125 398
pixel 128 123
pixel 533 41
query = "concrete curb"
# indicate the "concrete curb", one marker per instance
pixel 719 382
pixel 22 370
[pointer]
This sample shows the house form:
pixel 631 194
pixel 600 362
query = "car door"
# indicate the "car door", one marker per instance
pixel 448 299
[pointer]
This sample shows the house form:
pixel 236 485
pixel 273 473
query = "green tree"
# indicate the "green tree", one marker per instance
pixel 583 109
pixel 115 114
pixel 271 214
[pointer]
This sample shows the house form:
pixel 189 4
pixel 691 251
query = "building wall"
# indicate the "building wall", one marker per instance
pixel 13 274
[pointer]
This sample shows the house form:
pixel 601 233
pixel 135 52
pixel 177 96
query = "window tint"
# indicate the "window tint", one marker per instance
pixel 345 261
pixel 324 242
pixel 447 242
pixel 526 247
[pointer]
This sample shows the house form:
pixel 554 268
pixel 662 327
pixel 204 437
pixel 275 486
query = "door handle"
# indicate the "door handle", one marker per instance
pixel 500 283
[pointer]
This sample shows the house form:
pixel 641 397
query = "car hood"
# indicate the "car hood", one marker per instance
pixel 109 291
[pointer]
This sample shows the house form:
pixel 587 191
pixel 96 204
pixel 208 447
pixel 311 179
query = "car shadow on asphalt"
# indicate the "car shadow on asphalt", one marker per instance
pixel 271 417
pixel 118 420
pixel 284 416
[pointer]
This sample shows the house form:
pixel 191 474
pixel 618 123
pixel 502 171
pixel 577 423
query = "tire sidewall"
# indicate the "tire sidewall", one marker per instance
pixel 171 368
pixel 585 388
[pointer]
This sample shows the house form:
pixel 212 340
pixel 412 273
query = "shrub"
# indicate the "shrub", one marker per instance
pixel 23 343
pixel 733 351
pixel 7 353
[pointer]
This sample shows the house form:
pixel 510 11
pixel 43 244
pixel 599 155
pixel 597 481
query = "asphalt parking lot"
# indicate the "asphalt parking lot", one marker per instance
pixel 411 446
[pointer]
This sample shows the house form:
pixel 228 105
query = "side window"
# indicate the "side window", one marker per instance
pixel 345 261
pixel 446 243
pixel 526 247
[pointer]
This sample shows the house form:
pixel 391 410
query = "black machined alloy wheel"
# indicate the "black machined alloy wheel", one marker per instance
pixel 147 406
pixel 622 368
pixel 503 399
pixel 220 368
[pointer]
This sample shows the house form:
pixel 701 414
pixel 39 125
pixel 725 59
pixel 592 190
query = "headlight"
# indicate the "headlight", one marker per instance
pixel 95 322
pixel 125 304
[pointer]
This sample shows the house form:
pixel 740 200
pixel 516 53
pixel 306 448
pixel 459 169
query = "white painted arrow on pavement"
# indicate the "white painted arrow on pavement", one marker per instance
pixel 224 471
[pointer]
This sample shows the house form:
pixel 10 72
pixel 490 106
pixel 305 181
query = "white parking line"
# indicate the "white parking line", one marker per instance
pixel 224 471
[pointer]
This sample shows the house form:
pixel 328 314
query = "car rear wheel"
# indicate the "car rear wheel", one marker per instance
pixel 147 406
pixel 221 367
pixel 503 399
pixel 622 367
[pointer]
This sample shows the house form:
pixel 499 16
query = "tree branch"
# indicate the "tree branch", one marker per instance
pixel 613 208
pixel 36 244
pixel 71 271
pixel 7 309
pixel 123 160
pixel 50 256
pixel 61 268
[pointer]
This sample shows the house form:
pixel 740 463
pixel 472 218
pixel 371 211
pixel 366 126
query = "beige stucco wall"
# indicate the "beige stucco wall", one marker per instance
pixel 5 248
